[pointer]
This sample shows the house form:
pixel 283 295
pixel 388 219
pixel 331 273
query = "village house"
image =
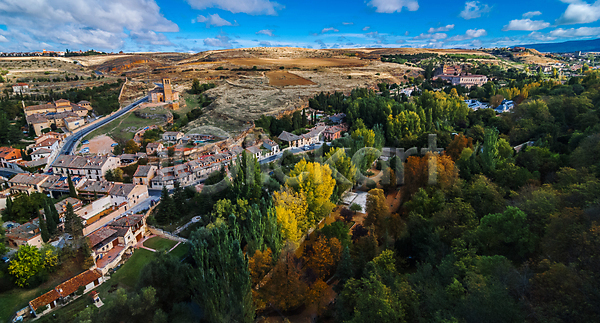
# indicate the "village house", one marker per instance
pixel 8 156
pixel 130 194
pixel 26 234
pixel 28 183
pixel 333 133
pixel 172 136
pixel 61 113
pixel 65 292
pixel 154 148
pixel 254 151
pixel 91 189
pixel 144 174
pixel 61 207
pixel 20 88
pixel 271 147
pixel 61 185
pixel 93 167
pixel 312 137
pixel 110 242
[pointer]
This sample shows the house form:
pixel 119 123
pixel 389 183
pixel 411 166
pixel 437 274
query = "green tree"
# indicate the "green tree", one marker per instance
pixel 369 300
pixel 221 280
pixel 73 223
pixel 166 208
pixel 506 233
pixel 131 147
pixel 26 263
pixel 43 228
pixel 72 190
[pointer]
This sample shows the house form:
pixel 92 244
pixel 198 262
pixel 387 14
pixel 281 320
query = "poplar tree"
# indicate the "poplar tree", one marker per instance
pixel 221 281
pixel 43 228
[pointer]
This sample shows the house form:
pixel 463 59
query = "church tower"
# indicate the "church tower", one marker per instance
pixel 167 89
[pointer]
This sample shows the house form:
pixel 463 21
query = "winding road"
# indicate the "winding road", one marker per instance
pixel 70 141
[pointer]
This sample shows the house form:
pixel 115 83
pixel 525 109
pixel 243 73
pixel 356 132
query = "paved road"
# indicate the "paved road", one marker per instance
pixel 71 140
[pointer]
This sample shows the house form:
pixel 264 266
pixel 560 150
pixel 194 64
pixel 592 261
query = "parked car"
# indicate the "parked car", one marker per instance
pixel 5 259
pixel 114 145
pixel 85 142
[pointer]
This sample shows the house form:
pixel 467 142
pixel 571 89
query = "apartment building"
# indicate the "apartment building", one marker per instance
pixel 93 167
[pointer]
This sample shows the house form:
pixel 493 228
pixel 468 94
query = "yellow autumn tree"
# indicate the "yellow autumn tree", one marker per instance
pixel 314 182
pixel 291 209
pixel 317 295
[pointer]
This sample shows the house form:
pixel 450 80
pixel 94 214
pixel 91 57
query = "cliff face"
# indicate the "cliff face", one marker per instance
pixel 127 63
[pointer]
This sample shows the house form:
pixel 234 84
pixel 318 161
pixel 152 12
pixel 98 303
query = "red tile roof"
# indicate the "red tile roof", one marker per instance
pixel 70 286
pixel 45 299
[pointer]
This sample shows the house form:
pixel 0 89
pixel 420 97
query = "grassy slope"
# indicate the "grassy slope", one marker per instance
pixel 116 128
pixel 158 243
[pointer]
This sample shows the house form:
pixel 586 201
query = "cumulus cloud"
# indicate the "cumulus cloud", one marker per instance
pixel 440 29
pixel 321 43
pixel 531 14
pixel 252 7
pixel 434 36
pixel 579 12
pixel 575 32
pixel 474 9
pixel 265 44
pixel 221 41
pixel 391 6
pixel 93 23
pixel 268 32
pixel 526 24
pixel 328 29
pixel 538 36
pixel 150 37
pixel 213 20
pixel 366 28
pixel 470 34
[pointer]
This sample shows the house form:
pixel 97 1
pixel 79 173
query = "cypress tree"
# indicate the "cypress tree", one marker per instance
pixel 43 228
pixel 73 224
pixel 50 222
pixel 72 191
pixel 165 208
pixel 7 213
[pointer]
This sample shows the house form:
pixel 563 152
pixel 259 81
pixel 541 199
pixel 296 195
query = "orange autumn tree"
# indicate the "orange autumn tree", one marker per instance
pixel 323 256
pixel 457 145
pixel 431 169
pixel 285 290
pixel 318 296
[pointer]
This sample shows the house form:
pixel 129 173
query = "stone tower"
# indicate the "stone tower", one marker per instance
pixel 167 89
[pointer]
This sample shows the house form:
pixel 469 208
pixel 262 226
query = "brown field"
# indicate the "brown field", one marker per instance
pixel 283 78
pixel 303 62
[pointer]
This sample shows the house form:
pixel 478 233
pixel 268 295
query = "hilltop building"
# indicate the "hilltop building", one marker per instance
pixel 165 93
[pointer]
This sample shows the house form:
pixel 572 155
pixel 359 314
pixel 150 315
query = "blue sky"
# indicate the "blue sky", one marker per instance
pixel 197 25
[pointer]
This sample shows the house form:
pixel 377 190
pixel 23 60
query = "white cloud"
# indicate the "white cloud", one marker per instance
pixel 150 37
pixel 328 30
pixel 536 35
pixel 474 9
pixel 3 39
pixel 526 24
pixel 265 44
pixel 531 14
pixel 575 32
pixel 347 23
pixel 253 7
pixel 579 12
pixel 434 36
pixel 213 20
pixel 221 41
pixel 268 32
pixel 391 6
pixel 440 29
pixel 470 34
pixel 93 23
pixel 366 28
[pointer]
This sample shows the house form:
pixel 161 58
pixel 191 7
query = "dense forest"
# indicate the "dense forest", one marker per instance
pixel 484 233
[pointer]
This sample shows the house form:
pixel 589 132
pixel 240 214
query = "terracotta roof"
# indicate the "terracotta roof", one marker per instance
pixel 70 286
pixel 100 235
pixel 122 189
pixel 126 221
pixel 45 299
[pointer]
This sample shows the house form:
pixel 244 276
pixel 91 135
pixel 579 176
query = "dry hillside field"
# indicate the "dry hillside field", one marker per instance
pixel 286 78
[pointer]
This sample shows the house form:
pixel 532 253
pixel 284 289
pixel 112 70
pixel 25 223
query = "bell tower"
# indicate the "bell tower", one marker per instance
pixel 167 89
